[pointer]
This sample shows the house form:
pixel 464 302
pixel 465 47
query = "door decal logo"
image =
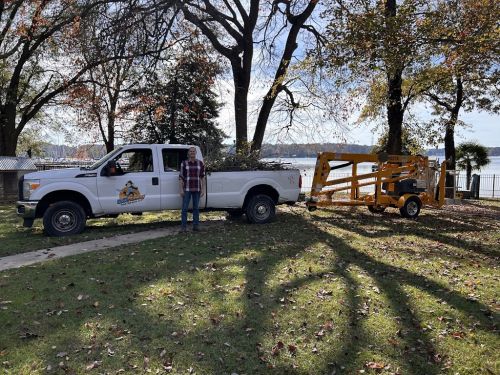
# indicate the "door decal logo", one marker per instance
pixel 129 194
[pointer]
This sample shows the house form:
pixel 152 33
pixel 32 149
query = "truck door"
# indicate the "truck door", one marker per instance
pixel 171 159
pixel 135 186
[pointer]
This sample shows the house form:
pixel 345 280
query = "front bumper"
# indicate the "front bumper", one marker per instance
pixel 26 209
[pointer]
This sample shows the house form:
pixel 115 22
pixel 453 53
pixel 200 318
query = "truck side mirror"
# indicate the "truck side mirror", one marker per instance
pixel 110 168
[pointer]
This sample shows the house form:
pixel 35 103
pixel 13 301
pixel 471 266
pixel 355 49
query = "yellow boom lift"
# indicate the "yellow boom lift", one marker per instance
pixel 404 182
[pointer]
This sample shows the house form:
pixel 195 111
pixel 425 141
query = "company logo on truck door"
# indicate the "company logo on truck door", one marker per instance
pixel 129 194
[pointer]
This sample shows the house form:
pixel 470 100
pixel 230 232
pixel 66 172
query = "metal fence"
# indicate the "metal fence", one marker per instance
pixel 489 185
pixel 58 165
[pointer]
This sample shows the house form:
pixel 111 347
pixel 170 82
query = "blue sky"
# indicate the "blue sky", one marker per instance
pixel 484 128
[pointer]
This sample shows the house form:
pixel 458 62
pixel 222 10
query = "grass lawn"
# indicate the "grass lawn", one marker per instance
pixel 337 291
pixel 15 239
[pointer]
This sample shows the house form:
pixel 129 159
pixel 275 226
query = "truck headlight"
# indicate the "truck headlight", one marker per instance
pixel 29 186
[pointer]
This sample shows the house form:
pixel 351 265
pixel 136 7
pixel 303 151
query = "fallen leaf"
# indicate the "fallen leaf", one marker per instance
pixel 375 365
pixel 458 335
pixel 93 365
pixel 319 335
pixel 276 348
pixel 328 326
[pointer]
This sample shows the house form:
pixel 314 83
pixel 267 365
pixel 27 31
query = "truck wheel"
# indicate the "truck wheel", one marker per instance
pixel 260 209
pixel 64 218
pixel 411 208
pixel 376 209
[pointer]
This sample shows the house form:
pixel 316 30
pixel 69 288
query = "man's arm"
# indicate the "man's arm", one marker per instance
pixel 181 180
pixel 181 186
pixel 202 179
pixel 202 186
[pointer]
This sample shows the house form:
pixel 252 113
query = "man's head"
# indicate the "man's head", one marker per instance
pixel 192 153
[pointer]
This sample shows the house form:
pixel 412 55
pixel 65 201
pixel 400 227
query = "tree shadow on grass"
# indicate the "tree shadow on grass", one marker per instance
pixel 494 210
pixel 463 232
pixel 14 237
pixel 236 317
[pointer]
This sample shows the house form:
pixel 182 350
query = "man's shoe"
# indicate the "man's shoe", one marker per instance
pixel 183 230
pixel 196 228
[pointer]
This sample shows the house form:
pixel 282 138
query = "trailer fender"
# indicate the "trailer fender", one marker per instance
pixel 402 199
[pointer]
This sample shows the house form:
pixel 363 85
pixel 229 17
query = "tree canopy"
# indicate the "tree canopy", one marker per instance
pixel 102 58
pixel 178 105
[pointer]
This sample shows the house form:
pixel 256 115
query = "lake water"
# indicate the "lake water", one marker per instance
pixel 490 174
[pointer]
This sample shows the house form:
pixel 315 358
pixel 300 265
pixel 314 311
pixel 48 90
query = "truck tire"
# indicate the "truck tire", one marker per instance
pixel 411 208
pixel 64 219
pixel 260 209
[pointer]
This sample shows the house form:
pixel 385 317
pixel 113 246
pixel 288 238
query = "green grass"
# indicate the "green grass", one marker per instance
pixel 15 239
pixel 336 291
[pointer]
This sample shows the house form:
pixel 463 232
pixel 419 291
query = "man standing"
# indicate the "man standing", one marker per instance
pixel 191 184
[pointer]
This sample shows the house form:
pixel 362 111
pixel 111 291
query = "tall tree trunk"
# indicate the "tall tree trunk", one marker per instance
pixel 394 112
pixel 110 141
pixel 449 136
pixel 277 85
pixel 449 151
pixel 241 79
pixel 469 175
pixel 265 111
pixel 173 108
pixel 394 82
pixel 8 131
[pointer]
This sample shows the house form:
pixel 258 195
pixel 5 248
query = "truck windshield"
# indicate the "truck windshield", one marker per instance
pixel 105 158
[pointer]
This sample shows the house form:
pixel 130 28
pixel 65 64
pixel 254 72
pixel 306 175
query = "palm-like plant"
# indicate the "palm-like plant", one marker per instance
pixel 471 155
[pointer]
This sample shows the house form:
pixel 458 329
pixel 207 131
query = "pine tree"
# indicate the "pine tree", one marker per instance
pixel 178 105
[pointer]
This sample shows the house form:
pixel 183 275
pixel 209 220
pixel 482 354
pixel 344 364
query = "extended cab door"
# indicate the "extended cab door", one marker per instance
pixel 135 186
pixel 171 159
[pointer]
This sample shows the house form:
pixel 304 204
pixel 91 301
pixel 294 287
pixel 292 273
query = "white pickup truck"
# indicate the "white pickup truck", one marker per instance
pixel 138 178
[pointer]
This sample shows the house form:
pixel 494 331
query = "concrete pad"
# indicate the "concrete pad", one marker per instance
pixel 38 256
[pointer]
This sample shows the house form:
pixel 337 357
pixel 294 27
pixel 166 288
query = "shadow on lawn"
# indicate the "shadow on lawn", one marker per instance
pixel 130 275
pixel 17 244
pixel 13 235
pixel 445 229
pixel 495 210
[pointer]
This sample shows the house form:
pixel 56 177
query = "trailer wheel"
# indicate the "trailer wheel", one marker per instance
pixel 63 219
pixel 411 208
pixel 260 209
pixel 376 209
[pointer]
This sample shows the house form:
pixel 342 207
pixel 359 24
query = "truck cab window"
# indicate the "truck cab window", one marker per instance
pixel 172 159
pixel 135 161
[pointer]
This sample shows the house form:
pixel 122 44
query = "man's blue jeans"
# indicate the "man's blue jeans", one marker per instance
pixel 196 207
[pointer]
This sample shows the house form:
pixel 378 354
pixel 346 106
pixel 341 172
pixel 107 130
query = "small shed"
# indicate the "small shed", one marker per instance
pixel 11 170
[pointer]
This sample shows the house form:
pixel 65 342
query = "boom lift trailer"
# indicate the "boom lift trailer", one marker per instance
pixel 404 182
